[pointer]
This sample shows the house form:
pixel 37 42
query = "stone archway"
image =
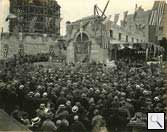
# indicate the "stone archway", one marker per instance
pixel 82 47
pixel 81 37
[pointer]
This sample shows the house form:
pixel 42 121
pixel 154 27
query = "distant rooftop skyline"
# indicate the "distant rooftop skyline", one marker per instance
pixel 72 10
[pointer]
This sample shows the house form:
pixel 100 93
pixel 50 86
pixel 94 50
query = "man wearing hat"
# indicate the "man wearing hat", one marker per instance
pixel 75 109
pixel 35 123
pixel 42 111
pixel 21 93
pixel 98 122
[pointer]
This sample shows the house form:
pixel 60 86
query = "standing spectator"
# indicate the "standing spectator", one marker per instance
pixel 77 125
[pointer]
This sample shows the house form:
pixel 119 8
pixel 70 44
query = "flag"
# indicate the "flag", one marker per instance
pixel 124 21
pixel 57 23
pixel 48 22
pixel 136 7
pixel 157 13
pixel 125 16
pixel 116 18
pixel 135 14
pixel 32 24
pixel 11 16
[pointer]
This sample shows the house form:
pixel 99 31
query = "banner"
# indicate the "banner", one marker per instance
pixel 157 13
pixel 48 22
pixel 116 18
pixel 125 16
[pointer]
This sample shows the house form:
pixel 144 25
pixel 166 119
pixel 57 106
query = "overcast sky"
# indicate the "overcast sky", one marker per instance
pixel 72 10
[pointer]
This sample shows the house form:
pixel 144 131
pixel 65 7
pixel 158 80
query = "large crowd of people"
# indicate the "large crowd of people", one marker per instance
pixel 81 98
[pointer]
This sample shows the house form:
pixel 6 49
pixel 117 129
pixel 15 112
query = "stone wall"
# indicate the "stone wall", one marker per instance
pixel 137 37
pixel 87 26
pixel 33 44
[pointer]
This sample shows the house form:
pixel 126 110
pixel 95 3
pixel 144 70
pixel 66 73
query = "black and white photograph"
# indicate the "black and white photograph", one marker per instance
pixel 83 65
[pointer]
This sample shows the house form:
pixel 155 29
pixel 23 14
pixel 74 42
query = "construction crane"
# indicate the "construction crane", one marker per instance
pixel 100 17
pixel 99 12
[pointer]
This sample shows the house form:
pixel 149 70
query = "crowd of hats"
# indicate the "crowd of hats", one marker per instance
pixel 88 94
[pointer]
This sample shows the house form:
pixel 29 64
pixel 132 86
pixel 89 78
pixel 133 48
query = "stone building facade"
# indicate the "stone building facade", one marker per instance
pixel 138 28
pixel 134 29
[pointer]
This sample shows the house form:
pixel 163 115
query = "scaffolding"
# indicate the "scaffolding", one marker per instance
pixel 35 16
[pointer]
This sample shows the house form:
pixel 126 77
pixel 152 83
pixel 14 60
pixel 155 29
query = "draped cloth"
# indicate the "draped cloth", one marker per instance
pixel 99 124
pixel 101 129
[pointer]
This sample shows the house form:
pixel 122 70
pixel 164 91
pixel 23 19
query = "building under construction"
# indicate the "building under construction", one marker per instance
pixel 34 27
pixel 98 39
pixel 35 16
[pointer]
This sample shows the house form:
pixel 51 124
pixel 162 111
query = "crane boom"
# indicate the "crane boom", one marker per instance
pixel 105 8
